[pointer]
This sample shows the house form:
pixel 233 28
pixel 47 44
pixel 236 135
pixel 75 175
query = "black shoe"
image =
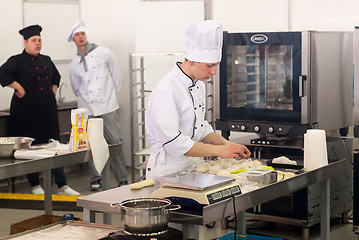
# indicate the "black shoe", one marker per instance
pixel 95 185
pixel 122 183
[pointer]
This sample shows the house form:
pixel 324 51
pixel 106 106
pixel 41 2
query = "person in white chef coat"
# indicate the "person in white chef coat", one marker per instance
pixel 175 122
pixel 95 80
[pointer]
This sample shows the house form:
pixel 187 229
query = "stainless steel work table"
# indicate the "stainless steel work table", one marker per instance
pixel 13 167
pixel 101 201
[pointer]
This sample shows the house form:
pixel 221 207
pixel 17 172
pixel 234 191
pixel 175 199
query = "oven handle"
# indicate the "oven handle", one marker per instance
pixel 302 78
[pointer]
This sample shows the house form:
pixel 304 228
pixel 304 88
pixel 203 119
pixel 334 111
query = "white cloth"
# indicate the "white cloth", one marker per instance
pixel 98 144
pixel 96 89
pixel 80 26
pixel 203 42
pixel 34 154
pixel 174 122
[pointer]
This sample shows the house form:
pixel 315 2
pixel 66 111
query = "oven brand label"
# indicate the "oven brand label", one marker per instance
pixel 259 38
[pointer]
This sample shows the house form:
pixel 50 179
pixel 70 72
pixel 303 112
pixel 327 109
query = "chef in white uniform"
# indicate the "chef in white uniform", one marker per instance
pixel 176 108
pixel 96 80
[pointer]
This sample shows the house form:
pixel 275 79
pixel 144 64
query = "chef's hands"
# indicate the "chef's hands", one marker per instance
pixel 214 145
pixel 19 90
pixel 233 150
pixel 54 89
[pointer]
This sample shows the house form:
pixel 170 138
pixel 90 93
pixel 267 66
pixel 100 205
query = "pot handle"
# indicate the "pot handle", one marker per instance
pixel 115 205
pixel 172 208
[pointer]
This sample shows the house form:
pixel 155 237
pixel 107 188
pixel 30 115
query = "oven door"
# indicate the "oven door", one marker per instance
pixel 260 77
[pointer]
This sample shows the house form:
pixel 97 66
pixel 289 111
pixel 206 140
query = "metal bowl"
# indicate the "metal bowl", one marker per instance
pixel 9 144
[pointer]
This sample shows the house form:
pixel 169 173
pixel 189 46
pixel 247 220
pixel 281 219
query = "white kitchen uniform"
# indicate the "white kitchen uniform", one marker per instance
pixel 96 89
pixel 174 122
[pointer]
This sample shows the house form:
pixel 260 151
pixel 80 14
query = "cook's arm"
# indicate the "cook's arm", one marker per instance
pixel 54 89
pixel 7 72
pixel 213 138
pixel 19 90
pixel 75 79
pixel 114 70
pixel 215 145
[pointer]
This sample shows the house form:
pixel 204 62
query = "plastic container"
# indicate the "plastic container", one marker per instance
pixel 260 176
pixel 247 186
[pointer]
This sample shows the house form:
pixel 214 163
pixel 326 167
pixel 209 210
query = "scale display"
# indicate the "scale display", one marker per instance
pixel 223 194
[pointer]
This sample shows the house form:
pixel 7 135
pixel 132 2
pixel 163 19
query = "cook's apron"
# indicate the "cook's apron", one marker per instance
pixel 160 163
pixel 35 115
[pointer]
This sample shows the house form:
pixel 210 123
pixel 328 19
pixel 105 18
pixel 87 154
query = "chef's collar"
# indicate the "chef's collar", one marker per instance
pixel 30 55
pixel 192 82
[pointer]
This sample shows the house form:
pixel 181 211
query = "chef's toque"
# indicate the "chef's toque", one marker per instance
pixel 80 26
pixel 203 42
pixel 28 32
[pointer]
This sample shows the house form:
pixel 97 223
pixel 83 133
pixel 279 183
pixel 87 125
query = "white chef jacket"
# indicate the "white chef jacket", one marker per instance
pixel 96 89
pixel 174 122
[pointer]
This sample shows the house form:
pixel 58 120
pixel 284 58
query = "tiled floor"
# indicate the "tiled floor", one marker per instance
pixel 79 180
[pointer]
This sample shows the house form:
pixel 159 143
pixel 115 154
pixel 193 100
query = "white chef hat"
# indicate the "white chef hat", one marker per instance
pixel 80 26
pixel 203 42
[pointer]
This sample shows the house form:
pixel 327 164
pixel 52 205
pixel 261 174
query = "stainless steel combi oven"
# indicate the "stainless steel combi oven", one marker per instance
pixel 283 83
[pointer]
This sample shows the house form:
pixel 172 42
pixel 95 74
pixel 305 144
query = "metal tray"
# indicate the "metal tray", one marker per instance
pixel 286 166
pixel 57 229
pixel 195 181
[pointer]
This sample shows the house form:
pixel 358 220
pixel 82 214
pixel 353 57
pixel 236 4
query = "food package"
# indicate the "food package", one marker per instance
pixel 78 137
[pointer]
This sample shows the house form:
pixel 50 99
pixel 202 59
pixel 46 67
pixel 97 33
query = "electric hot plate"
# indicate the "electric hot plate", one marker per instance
pixel 171 234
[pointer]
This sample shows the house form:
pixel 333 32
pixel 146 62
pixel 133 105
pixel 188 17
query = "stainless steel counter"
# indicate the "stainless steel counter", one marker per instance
pixel 12 168
pixel 101 201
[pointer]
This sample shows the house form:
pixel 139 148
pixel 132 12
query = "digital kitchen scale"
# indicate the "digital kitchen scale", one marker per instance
pixel 202 188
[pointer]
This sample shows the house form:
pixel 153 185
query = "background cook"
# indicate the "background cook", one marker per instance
pixel 95 80
pixel 176 109
pixel 33 109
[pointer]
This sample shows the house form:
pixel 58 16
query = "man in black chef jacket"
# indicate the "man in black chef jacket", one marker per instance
pixel 33 110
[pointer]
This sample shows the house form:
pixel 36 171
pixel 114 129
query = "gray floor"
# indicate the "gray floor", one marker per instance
pixel 79 180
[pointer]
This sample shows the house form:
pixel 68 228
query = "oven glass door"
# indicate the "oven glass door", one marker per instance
pixel 259 77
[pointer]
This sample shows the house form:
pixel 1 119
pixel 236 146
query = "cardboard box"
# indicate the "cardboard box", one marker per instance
pixel 35 222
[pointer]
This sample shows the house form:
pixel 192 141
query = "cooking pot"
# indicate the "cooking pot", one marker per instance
pixel 9 144
pixel 145 215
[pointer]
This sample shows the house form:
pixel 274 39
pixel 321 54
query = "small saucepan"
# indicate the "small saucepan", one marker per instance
pixel 145 215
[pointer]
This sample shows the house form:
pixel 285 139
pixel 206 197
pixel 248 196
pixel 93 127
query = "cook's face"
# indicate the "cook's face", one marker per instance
pixel 33 45
pixel 80 39
pixel 204 71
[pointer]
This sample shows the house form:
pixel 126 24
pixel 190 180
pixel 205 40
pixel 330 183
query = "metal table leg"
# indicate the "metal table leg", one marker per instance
pixel 48 191
pixel 88 215
pixel 106 183
pixel 241 222
pixel 325 210
pixel 190 231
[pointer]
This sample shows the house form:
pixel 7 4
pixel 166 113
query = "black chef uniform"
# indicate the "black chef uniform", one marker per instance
pixel 34 115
